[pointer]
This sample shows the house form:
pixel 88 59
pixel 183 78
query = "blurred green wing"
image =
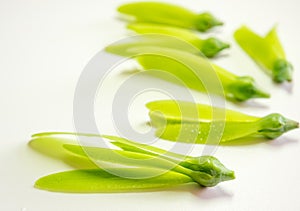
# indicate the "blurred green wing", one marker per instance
pixel 273 40
pixel 163 13
pixel 186 35
pixel 256 47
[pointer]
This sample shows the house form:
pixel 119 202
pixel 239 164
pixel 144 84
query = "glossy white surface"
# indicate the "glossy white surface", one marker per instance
pixel 44 47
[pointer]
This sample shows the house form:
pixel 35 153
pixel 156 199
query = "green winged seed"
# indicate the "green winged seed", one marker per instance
pixel 192 70
pixel 215 175
pixel 206 164
pixel 192 123
pixel 131 146
pixel 210 47
pixel 169 14
pixel 266 51
pixel 148 157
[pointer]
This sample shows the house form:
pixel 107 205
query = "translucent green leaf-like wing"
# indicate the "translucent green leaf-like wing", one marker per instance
pixel 169 14
pixel 256 47
pixel 123 143
pixel 131 148
pixel 98 155
pixel 133 45
pixel 186 35
pixel 267 52
pixel 209 47
pixel 182 111
pixel 100 181
pixel 132 159
pixel 53 147
pixel 144 148
pixel 273 40
pixel 199 132
pixel 163 13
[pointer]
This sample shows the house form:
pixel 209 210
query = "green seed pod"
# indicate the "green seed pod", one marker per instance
pixel 211 166
pixel 169 14
pixel 244 88
pixel 266 51
pixel 274 125
pixel 183 122
pixel 209 47
pixel 170 169
pixel 182 62
pixel 212 46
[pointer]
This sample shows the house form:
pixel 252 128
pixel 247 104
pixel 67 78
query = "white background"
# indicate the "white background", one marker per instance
pixel 44 46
